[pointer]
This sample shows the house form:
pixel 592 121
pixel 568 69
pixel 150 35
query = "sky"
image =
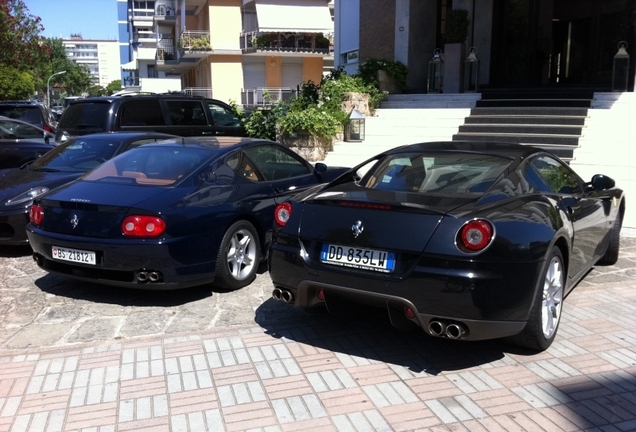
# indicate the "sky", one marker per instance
pixel 93 19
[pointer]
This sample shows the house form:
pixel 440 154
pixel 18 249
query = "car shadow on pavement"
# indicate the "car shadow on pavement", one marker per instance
pixel 373 339
pixel 98 293
pixel 15 251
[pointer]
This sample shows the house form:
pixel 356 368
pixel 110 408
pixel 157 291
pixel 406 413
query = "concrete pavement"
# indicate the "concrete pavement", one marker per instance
pixel 263 366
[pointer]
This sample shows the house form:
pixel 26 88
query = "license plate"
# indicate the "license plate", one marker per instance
pixel 366 259
pixel 73 255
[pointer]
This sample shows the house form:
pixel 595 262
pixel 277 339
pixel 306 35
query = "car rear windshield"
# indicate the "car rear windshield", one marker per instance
pixel 29 114
pixel 155 165
pixel 89 116
pixel 450 172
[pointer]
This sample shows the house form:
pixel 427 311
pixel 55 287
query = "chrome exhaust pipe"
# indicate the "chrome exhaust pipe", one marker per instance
pixel 154 276
pixel 287 297
pixel 277 293
pixel 455 331
pixel 142 276
pixel 437 328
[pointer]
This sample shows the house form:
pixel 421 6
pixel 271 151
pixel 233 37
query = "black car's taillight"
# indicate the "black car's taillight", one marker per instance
pixel 282 213
pixel 36 214
pixel 143 226
pixel 475 235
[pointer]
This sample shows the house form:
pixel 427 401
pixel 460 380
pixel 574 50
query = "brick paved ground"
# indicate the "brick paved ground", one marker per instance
pixel 328 374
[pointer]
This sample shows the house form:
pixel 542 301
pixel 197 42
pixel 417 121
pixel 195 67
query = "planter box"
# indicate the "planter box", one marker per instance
pixel 454 57
pixel 313 149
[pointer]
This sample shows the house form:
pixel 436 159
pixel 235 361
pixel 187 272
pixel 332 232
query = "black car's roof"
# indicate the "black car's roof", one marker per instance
pixel 110 99
pixel 125 135
pixel 507 150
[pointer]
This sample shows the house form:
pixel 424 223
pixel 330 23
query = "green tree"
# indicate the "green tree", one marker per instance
pixel 113 86
pixel 77 78
pixel 15 84
pixel 20 36
pixel 97 90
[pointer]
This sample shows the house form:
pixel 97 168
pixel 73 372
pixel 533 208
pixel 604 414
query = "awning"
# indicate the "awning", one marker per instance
pixel 314 18
pixel 130 66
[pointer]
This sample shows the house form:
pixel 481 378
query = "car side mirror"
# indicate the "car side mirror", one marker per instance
pixel 601 182
pixel 47 137
pixel 320 167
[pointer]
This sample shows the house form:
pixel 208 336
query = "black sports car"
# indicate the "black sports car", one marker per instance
pixel 172 214
pixel 60 165
pixel 466 240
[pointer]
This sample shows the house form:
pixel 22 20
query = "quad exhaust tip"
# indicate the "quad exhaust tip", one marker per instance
pixel 452 331
pixel 283 295
pixel 144 276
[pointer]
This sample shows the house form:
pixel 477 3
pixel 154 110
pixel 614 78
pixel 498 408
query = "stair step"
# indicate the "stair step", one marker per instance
pixel 521 129
pixel 534 103
pixel 526 119
pixel 530 111
pixel 534 139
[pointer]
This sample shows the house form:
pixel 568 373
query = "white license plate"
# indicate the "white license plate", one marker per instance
pixel 367 259
pixel 73 255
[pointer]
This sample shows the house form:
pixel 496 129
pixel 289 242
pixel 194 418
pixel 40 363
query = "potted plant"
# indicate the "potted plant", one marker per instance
pixel 457 24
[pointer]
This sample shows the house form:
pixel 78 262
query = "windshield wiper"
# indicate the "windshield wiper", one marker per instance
pixel 44 169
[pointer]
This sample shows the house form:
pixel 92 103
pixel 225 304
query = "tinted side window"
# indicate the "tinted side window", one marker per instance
pixel 186 112
pixel 142 113
pixel 559 177
pixel 277 163
pixel 223 116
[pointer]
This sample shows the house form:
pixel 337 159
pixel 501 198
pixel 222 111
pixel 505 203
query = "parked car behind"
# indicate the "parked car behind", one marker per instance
pixel 467 240
pixel 18 130
pixel 15 153
pixel 63 164
pixel 175 114
pixel 33 112
pixel 171 214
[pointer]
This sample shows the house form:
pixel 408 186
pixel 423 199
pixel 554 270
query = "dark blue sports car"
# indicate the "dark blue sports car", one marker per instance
pixel 60 165
pixel 171 214
pixel 466 240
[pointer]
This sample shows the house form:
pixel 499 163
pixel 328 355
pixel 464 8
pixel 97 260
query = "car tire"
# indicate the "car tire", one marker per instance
pixel 611 254
pixel 238 257
pixel 545 315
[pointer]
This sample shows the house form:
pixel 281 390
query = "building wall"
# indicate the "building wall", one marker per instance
pixel 312 69
pixel 377 29
pixel 226 74
pixel 273 71
pixel 109 62
pixel 347 34
pixel 225 24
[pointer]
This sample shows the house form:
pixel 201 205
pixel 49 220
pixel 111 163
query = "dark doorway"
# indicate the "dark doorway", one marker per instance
pixel 560 42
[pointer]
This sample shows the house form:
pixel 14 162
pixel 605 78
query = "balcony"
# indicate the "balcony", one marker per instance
pixel 305 43
pixel 261 97
pixel 195 44
pixel 205 92
pixel 165 9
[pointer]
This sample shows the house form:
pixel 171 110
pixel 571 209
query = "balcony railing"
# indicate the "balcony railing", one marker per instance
pixel 166 50
pixel 198 91
pixel 286 42
pixel 195 40
pixel 165 8
pixel 266 95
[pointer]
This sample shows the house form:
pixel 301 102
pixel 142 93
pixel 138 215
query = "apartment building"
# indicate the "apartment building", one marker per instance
pixel 101 57
pixel 232 50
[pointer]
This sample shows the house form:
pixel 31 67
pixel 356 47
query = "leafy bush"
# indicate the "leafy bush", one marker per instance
pixel 369 71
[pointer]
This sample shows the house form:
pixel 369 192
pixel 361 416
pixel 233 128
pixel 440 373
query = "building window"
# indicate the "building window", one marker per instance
pixel 350 57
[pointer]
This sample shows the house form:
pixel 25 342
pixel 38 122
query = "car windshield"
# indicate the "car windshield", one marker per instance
pixel 154 165
pixel 444 172
pixel 77 155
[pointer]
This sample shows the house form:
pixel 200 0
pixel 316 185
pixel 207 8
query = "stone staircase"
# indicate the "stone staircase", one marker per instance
pixel 552 120
pixel 592 133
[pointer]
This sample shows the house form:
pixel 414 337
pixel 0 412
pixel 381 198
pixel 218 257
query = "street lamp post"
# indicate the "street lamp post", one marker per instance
pixel 48 91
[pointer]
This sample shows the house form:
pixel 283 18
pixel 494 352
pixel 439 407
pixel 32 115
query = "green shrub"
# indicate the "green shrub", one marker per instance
pixel 369 71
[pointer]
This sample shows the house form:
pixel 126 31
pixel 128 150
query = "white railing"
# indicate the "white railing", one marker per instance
pixel 198 91
pixel 266 95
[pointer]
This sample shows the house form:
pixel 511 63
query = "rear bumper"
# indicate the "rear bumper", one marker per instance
pixel 124 263
pixel 488 299
pixel 13 228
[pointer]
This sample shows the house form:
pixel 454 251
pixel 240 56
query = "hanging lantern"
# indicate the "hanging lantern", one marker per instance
pixel 620 72
pixel 435 72
pixel 354 130
pixel 471 72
